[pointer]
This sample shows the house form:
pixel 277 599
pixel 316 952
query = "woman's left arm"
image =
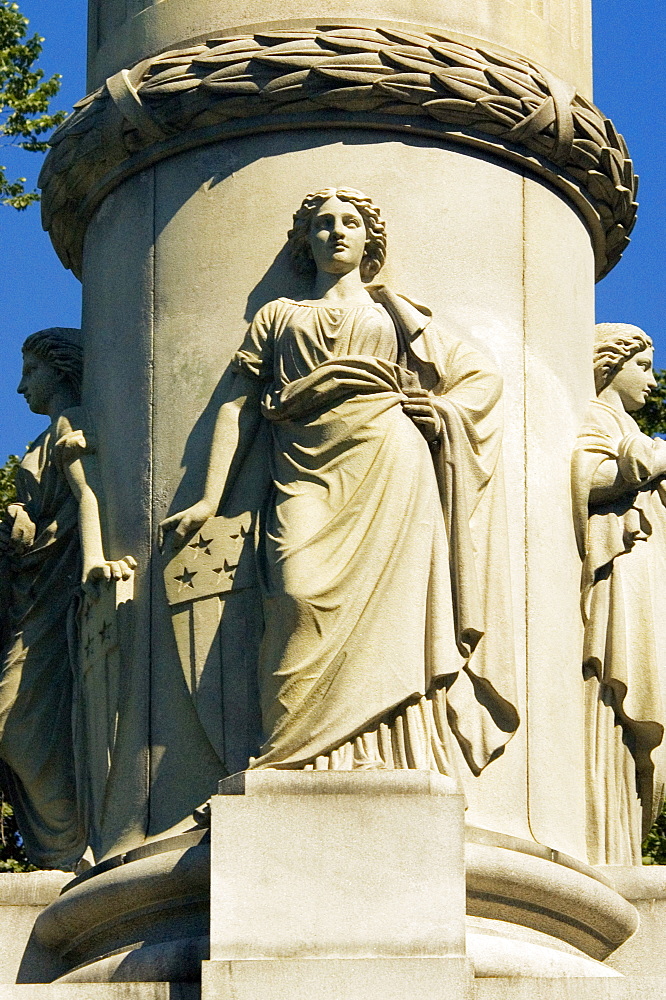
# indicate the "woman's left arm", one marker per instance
pixel 81 471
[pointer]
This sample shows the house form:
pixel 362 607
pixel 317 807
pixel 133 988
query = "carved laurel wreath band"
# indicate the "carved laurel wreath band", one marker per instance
pixel 337 77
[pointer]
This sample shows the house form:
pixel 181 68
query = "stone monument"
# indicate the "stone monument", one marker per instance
pixel 372 708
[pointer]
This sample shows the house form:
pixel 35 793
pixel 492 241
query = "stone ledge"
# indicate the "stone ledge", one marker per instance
pixel 634 883
pixel 634 988
pixel 32 888
pixel 102 991
pixel 338 979
pixel 272 781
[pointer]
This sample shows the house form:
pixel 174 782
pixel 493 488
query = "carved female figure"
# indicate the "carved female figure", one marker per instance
pixel 50 544
pixel 620 515
pixel 383 587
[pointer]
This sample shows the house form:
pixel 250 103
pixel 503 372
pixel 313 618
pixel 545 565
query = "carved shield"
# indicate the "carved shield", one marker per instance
pixel 101 620
pixel 211 587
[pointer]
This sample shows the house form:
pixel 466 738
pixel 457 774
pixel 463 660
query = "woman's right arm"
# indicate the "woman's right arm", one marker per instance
pixel 235 428
pixel 641 460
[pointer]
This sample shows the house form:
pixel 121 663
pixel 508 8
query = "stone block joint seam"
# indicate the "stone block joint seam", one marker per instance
pixel 376 76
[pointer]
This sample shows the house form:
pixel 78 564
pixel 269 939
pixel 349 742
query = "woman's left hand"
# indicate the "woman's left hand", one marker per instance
pixel 419 407
pixel 108 569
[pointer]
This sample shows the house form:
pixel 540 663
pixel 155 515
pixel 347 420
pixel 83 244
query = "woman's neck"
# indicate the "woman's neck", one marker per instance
pixel 611 398
pixel 60 401
pixel 340 289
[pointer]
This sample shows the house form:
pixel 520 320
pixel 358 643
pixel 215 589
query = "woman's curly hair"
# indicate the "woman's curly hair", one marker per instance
pixel 60 347
pixel 375 228
pixel 614 344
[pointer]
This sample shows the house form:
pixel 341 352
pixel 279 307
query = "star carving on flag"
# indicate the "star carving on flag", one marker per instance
pixel 89 646
pixel 243 533
pixel 105 631
pixel 226 570
pixel 185 579
pixel 200 544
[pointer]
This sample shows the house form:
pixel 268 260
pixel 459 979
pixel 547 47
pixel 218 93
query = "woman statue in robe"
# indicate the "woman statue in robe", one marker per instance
pixel 620 516
pixel 50 545
pixel 381 546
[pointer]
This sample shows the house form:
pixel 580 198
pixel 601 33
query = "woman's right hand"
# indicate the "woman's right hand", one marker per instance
pixel 23 530
pixel 185 523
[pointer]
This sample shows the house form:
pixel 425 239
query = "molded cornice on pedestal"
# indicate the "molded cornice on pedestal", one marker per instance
pixel 424 84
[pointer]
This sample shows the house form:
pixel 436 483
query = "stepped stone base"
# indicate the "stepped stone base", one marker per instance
pixel 102 991
pixel 336 986
pixel 323 886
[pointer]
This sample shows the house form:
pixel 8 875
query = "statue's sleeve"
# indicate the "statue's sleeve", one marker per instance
pixel 74 436
pixel 255 355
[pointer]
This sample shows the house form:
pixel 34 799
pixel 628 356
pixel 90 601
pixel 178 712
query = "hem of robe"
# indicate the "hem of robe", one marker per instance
pixel 412 736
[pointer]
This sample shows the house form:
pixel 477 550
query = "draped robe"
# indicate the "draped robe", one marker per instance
pixel 382 561
pixel 39 655
pixel 622 541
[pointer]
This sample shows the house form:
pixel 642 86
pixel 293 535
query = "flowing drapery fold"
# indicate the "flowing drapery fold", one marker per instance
pixel 40 657
pixel 622 541
pixel 382 562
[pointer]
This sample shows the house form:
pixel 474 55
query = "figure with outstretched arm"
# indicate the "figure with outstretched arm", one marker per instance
pixel 51 548
pixel 380 546
pixel 226 448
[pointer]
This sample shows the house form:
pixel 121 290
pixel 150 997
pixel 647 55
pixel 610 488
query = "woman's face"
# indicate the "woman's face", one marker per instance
pixel 635 381
pixel 337 237
pixel 39 383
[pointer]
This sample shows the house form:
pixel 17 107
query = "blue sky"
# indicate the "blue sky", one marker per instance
pixel 630 87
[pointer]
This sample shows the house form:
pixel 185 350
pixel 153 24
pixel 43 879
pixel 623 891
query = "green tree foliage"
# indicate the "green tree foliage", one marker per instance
pixel 12 855
pixel 8 482
pixel 652 420
pixel 654 848
pixel 24 98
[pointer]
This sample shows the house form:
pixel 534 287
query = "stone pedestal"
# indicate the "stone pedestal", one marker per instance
pixel 23 896
pixel 351 885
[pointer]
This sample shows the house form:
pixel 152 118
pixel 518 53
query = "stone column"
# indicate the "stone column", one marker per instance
pixel 505 192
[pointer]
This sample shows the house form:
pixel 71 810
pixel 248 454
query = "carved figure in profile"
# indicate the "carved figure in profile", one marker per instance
pixel 50 544
pixel 620 517
pixel 381 545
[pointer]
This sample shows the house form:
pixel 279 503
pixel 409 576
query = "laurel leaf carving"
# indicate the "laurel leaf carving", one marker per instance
pixel 281 39
pixel 242 84
pixel 404 37
pixel 363 98
pixel 351 34
pixel 451 54
pixel 347 68
pixel 515 84
pixel 410 87
pixel 456 112
pixel 286 82
pixel 228 72
pixel 228 50
pixel 601 187
pixel 351 73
